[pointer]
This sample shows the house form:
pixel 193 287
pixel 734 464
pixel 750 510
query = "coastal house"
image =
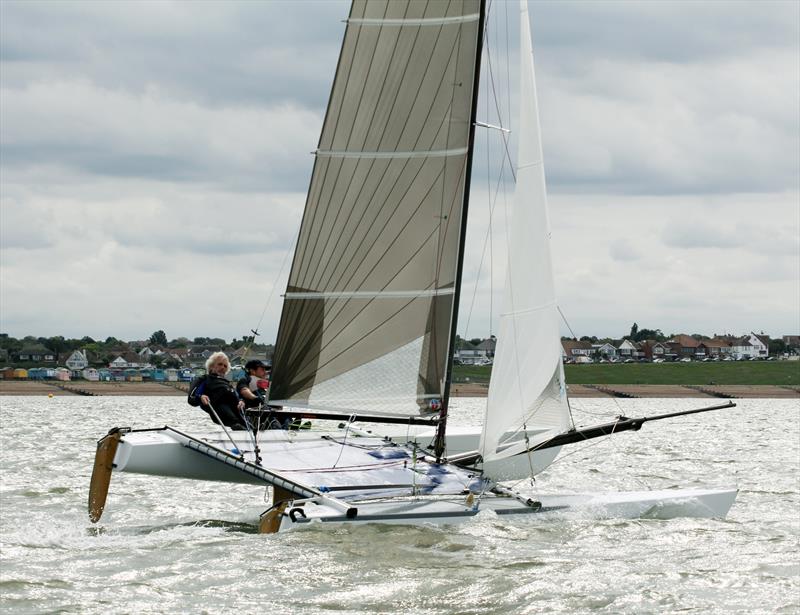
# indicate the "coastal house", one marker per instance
pixel 750 346
pixel 605 350
pixel 685 346
pixel 77 361
pixel 34 353
pixel 148 352
pixel 653 349
pixel 627 349
pixel 178 354
pixel 488 347
pixel 125 360
pixel 791 341
pixel 573 350
pixel 715 348
pixel 467 353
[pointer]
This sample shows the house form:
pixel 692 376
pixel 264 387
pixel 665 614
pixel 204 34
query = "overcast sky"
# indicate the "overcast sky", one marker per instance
pixel 155 158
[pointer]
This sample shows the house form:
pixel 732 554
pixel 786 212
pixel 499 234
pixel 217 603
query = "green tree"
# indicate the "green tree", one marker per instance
pixel 634 331
pixel 777 347
pixel 159 338
pixel 57 344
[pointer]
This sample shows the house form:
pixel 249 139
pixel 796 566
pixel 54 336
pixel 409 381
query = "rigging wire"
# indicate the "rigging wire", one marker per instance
pixel 289 250
pixel 344 439
pixel 506 160
pixel 564 318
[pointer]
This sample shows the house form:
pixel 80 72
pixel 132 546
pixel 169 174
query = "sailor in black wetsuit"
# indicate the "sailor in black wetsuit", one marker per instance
pixel 215 391
pixel 253 387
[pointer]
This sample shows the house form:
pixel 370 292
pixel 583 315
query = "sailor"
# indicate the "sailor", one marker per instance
pixel 215 395
pixel 253 387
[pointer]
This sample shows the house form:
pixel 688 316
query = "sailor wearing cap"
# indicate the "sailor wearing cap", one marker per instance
pixel 253 387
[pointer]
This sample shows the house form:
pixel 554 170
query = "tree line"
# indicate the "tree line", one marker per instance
pixel 101 350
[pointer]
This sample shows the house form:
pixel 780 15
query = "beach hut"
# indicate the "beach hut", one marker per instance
pixel 49 373
pixel 20 374
pixel 7 373
pixel 36 373
pixel 171 374
pixel 118 375
pixel 133 375
pixel 186 375
pixel 146 373
pixel 159 375
pixel 90 374
pixel 62 374
pixel 104 375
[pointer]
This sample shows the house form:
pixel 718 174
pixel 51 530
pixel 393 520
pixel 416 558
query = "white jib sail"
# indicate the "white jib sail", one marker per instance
pixel 527 388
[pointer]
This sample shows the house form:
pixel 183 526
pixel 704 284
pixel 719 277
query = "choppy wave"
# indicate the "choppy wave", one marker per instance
pixel 168 546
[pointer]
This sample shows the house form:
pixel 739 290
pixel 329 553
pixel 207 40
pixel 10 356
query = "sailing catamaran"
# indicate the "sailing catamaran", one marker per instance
pixel 369 315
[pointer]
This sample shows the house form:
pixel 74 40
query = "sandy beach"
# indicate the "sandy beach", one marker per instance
pixel 178 389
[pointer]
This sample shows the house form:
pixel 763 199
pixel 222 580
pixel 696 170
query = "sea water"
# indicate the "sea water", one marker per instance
pixel 178 546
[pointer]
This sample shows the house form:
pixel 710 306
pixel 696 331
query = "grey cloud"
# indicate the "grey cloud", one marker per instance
pixel 217 53
pixel 622 250
pixel 660 30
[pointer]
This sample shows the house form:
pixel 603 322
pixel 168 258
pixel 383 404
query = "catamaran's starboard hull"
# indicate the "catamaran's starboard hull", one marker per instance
pixel 664 504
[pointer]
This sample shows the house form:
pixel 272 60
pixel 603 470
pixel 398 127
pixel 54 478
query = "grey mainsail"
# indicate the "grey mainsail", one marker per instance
pixel 368 314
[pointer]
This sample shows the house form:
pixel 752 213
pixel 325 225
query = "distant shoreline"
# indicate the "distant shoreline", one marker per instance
pixel 179 389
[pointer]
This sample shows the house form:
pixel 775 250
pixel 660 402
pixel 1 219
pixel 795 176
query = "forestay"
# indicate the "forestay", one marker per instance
pixel 369 305
pixel 527 387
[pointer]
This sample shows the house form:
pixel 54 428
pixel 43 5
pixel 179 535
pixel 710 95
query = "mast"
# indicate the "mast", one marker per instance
pixel 439 442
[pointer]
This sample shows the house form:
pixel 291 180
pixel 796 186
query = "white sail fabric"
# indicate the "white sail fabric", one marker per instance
pixel 527 387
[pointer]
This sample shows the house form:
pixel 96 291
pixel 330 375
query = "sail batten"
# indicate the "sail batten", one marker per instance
pixel 431 21
pixel 393 154
pixel 373 283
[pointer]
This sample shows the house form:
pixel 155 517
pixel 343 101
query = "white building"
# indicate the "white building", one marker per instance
pixel 750 346
pixel 77 361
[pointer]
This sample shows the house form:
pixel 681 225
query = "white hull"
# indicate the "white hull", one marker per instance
pixel 400 486
pixel 664 504
pixel 160 452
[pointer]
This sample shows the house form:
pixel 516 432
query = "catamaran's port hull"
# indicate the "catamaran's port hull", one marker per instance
pixel 158 452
